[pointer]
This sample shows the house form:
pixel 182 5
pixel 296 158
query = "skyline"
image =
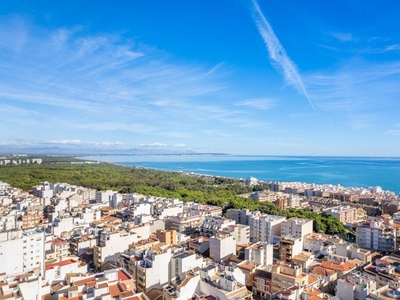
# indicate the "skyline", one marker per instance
pixel 247 77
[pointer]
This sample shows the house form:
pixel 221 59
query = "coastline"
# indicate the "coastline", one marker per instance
pixel 344 171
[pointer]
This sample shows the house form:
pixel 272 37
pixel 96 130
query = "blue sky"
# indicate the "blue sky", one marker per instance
pixel 240 77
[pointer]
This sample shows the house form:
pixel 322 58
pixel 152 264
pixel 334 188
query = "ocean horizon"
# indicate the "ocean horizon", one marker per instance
pixel 346 171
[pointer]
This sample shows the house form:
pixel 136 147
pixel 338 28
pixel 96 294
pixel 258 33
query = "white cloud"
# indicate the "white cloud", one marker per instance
pixel 179 146
pixel 154 145
pixel 257 103
pixel 395 131
pixel 278 54
pixel 357 86
pixel 71 142
pixel 342 36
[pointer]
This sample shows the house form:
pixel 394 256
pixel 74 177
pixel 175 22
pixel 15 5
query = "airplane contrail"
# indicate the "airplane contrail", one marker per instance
pixel 277 53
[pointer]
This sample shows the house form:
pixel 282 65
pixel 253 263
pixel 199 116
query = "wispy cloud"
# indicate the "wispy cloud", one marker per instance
pixel 257 103
pixel 342 36
pixel 278 54
pixel 154 145
pixel 357 86
pixel 395 131
pixel 103 82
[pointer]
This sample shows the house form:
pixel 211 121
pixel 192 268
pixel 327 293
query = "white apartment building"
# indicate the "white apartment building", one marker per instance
pixel 345 214
pixel 241 233
pixel 265 228
pixel 356 286
pixel 58 270
pixel 104 196
pixel 43 190
pixel 111 246
pixel 375 235
pixel 183 261
pixel 296 227
pixel 211 225
pixel 153 270
pixel 22 251
pixel 313 242
pixel 222 246
pixel 115 200
pixel 260 254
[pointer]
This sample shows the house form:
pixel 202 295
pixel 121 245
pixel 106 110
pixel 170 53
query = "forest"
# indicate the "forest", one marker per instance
pixel 220 191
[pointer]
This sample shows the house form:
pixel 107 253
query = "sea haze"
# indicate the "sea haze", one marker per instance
pixel 346 171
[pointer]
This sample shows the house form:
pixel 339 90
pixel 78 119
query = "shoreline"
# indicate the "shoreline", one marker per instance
pixel 172 166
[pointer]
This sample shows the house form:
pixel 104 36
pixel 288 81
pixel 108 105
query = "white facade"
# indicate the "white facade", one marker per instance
pixel 222 246
pixel 375 235
pixel 296 227
pixel 104 196
pixel 22 251
pixel 260 254
pixel 264 228
pixel 153 271
pixel 241 233
pixel 185 261
pixel 355 287
pixel 58 270
pixel 111 245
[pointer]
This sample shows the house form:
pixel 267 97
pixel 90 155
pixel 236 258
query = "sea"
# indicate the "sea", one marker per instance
pixel 345 171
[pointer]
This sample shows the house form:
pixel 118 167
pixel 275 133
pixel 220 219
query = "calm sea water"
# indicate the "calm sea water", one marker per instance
pixel 346 171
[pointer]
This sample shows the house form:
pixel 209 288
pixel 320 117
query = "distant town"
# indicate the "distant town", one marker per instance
pixel 60 241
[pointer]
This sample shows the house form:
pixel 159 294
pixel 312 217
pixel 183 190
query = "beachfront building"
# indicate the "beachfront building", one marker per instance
pixel 265 228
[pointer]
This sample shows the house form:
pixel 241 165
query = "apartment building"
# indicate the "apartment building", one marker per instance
pixel 153 270
pixel 239 215
pixel 375 235
pixel 111 245
pixel 314 242
pixel 356 286
pixel 211 225
pixel 260 254
pixel 285 276
pixel 241 233
pixel 345 214
pixel 58 270
pixel 183 261
pixel 32 217
pixel 221 284
pixel 184 223
pixel 166 236
pixel 262 282
pixel 60 248
pixel 222 246
pixel 290 246
pixel 22 251
pixel 265 228
pixel 104 196
pixel 200 244
pixel 296 227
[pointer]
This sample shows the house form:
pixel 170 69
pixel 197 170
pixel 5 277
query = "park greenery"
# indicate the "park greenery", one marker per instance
pixel 220 191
